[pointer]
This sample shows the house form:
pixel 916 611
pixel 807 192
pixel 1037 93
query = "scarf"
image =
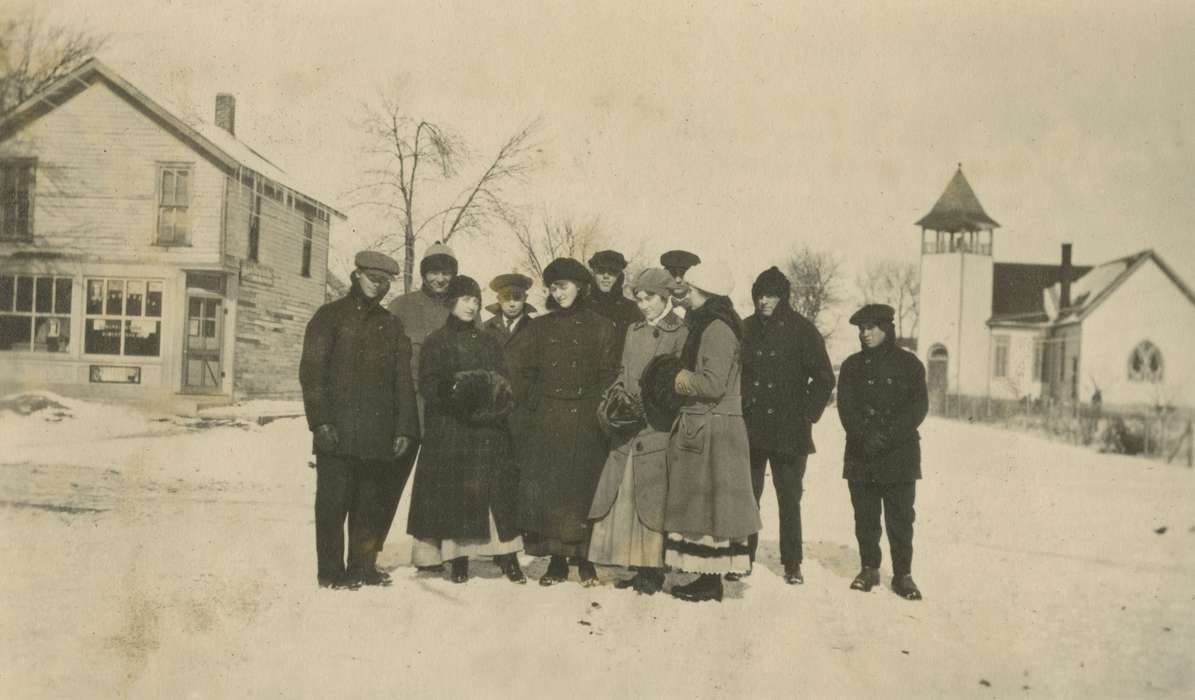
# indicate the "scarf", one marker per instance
pixel 716 308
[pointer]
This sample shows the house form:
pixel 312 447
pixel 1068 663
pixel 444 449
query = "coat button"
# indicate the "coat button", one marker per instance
pixel 871 381
pixel 770 385
pixel 756 382
pixel 759 353
pixel 572 410
pixel 772 353
pixel 771 411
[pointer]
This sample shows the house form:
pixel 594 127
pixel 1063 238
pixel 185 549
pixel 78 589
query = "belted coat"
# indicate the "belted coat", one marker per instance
pixel 644 341
pixel 355 372
pixel 572 358
pixel 882 392
pixel 787 380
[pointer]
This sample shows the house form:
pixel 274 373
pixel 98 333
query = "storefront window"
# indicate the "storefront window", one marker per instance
pixel 123 317
pixel 35 313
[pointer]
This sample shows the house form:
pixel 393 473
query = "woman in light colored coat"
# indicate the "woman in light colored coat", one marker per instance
pixel 628 508
pixel 710 508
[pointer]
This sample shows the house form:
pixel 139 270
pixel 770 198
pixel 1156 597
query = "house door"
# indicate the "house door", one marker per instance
pixel 937 379
pixel 203 368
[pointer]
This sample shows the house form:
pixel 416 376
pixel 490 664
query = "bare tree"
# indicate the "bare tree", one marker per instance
pixel 34 54
pixel 556 237
pixel 816 287
pixel 404 148
pixel 897 284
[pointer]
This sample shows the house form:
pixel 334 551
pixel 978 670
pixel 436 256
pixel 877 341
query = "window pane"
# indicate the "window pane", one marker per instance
pixel 102 337
pixel 135 298
pixel 43 294
pixel 153 299
pixel 165 226
pixel 6 295
pixel 195 307
pixel 180 193
pixel 115 303
pixel 15 332
pixel 95 296
pixel 62 295
pixel 24 293
pixel 52 334
pixel 141 338
pixel 167 187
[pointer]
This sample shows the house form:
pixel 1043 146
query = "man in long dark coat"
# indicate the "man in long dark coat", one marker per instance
pixel 882 399
pixel 606 298
pixel 512 316
pixel 359 397
pixel 787 381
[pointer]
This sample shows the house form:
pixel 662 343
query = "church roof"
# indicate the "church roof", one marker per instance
pixel 1103 280
pixel 1017 290
pixel 958 209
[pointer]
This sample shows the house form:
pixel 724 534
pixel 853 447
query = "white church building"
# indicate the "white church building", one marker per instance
pixel 1051 332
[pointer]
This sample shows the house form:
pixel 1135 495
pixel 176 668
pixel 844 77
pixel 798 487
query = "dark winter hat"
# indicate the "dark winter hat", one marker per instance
pixel 679 258
pixel 661 403
pixel 608 260
pixel 481 396
pixel 566 269
pixel 510 280
pixel 770 283
pixel 462 286
pixel 877 314
pixel 620 413
pixel 438 258
pixel 373 260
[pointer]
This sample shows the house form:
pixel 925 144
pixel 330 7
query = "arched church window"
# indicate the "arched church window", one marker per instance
pixel 1145 363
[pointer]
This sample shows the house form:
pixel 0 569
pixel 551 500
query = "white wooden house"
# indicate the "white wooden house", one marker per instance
pixel 145 256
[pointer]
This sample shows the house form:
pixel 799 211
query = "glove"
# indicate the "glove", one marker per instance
pixel 402 443
pixel 326 439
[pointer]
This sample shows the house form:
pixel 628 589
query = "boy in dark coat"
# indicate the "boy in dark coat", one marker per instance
pixel 882 399
pixel 606 297
pixel 359 398
pixel 787 380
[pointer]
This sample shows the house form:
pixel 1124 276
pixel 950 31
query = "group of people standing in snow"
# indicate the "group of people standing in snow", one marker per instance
pixel 622 431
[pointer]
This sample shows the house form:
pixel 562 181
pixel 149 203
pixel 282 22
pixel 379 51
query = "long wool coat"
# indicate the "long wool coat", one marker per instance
pixel 515 349
pixel 643 342
pixel 787 381
pixel 882 391
pixel 709 468
pixel 572 359
pixel 356 376
pixel 422 313
pixel 466 470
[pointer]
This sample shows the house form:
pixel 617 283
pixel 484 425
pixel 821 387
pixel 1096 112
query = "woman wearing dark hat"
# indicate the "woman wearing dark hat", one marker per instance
pixel 573 358
pixel 710 510
pixel 463 502
pixel 628 507
pixel 882 399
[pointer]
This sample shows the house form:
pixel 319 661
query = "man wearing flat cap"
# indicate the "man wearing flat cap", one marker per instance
pixel 359 397
pixel 512 316
pixel 606 297
pixel 677 263
pixel 882 400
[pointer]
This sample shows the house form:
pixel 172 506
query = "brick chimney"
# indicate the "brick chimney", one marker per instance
pixel 1064 299
pixel 226 112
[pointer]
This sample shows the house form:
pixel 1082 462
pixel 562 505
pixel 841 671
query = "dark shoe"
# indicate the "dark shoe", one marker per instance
pixel 904 587
pixel 736 576
pixel 587 572
pixel 649 581
pixel 509 563
pixel 867 579
pixel 433 569
pixel 338 583
pixel 370 577
pixel 460 570
pixel 705 587
pixel 556 573
pixel 792 575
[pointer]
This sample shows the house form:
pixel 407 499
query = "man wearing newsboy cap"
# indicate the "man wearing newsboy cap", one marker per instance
pixel 359 397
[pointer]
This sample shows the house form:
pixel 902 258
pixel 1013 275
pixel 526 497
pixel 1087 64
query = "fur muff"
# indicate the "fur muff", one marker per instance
pixel 661 403
pixel 481 396
pixel 620 413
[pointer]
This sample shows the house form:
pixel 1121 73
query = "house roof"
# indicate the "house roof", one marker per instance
pixel 209 139
pixel 1093 288
pixel 958 209
pixel 1017 290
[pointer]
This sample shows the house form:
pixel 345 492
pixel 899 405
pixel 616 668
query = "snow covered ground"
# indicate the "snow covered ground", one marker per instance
pixel 153 556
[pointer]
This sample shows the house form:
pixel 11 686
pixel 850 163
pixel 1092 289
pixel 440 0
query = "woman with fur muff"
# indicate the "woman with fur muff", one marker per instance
pixel 710 509
pixel 572 358
pixel 628 508
pixel 463 503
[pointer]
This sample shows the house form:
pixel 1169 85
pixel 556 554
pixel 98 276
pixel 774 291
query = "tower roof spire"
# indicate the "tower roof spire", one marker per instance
pixel 958 209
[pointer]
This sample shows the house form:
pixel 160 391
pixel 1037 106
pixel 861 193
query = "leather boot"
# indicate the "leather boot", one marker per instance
pixel 460 570
pixel 792 575
pixel 904 587
pixel 556 573
pixel 649 581
pixel 705 587
pixel 587 572
pixel 867 579
pixel 509 563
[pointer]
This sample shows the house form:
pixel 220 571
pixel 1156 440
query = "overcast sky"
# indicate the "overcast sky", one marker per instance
pixel 731 129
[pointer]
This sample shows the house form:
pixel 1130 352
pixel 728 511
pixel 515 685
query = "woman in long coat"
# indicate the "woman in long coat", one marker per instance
pixel 628 508
pixel 573 358
pixel 463 502
pixel 710 509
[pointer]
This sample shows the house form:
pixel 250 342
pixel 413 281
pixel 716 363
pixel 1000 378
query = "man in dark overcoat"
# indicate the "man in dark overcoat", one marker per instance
pixel 512 316
pixel 882 400
pixel 359 397
pixel 787 381
pixel 606 297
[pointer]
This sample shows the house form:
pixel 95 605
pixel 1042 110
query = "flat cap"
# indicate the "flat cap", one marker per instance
pixel 873 313
pixel 611 259
pixel 373 260
pixel 679 258
pixel 510 279
pixel 653 280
